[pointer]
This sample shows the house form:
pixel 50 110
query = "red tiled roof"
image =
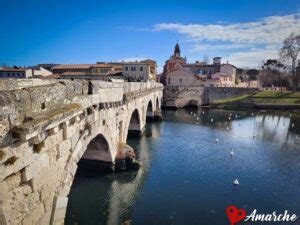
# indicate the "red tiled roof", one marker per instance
pixel 229 64
pixel 73 66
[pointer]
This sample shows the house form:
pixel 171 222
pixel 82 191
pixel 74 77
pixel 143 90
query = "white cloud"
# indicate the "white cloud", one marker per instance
pixel 265 34
pixel 214 47
pixel 252 58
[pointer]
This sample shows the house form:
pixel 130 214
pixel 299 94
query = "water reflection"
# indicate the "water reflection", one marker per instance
pixel 118 197
pixel 281 128
pixel 186 177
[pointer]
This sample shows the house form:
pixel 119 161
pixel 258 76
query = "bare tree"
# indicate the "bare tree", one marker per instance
pixel 289 52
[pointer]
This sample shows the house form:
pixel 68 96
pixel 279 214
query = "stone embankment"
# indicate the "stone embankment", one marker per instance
pixel 179 97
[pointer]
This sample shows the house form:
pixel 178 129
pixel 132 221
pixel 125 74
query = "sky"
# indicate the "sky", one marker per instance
pixel 50 31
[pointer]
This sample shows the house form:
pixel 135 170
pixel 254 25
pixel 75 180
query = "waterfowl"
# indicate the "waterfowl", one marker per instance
pixel 236 182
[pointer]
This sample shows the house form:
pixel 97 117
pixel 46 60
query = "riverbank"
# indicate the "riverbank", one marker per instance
pixel 273 100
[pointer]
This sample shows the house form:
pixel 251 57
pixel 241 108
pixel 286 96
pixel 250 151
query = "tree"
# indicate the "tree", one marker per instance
pixel 253 73
pixel 289 52
pixel 273 72
pixel 239 70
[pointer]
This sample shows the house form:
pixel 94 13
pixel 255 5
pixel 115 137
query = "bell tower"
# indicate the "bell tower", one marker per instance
pixel 177 50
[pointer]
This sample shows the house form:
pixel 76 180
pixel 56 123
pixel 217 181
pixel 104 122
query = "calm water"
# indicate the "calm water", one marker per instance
pixel 187 178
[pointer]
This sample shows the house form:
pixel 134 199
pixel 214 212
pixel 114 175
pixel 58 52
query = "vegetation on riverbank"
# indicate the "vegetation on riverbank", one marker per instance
pixel 262 99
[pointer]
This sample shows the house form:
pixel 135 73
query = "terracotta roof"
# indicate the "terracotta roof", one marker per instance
pixel 229 64
pixel 150 61
pixel 73 66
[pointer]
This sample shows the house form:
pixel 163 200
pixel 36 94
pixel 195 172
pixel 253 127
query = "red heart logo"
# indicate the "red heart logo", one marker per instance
pixel 234 214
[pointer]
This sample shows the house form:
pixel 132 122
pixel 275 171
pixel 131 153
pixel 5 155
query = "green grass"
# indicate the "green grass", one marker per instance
pixel 234 99
pixel 293 95
pixel 269 93
pixel 277 100
pixel 266 97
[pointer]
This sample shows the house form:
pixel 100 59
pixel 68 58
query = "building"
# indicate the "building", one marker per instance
pixel 184 77
pixel 136 71
pixel 140 71
pixel 47 66
pixel 180 73
pixel 73 68
pixel 103 68
pixel 175 61
pixel 41 72
pixel 15 73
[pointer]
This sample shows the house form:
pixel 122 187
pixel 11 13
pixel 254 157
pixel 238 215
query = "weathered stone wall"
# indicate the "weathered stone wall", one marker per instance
pixel 176 96
pixel 213 94
pixel 45 130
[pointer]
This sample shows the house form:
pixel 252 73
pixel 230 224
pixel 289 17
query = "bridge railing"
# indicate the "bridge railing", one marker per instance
pixel 20 103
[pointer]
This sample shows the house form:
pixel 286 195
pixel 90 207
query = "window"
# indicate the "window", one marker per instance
pixel 180 80
pixel 169 80
pixel 142 77
pixel 126 68
pixel 133 68
pixel 141 68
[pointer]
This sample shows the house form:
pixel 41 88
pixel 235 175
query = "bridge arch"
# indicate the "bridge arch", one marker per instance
pixel 150 110
pixel 134 124
pixel 98 149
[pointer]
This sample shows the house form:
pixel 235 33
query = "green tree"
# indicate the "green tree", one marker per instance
pixel 253 73
pixel 274 72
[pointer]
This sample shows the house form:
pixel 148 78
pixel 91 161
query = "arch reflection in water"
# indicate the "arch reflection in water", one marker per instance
pixel 99 197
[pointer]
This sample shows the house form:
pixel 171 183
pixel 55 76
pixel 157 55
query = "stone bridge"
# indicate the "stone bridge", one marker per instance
pixel 46 127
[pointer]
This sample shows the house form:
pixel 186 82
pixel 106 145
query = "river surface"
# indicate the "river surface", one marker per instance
pixel 187 178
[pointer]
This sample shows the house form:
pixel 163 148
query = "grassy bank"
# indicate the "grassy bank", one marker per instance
pixel 262 99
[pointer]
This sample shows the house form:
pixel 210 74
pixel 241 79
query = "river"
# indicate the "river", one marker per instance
pixel 187 177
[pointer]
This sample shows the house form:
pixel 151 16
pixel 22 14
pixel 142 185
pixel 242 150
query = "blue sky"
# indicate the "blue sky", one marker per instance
pixel 51 31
